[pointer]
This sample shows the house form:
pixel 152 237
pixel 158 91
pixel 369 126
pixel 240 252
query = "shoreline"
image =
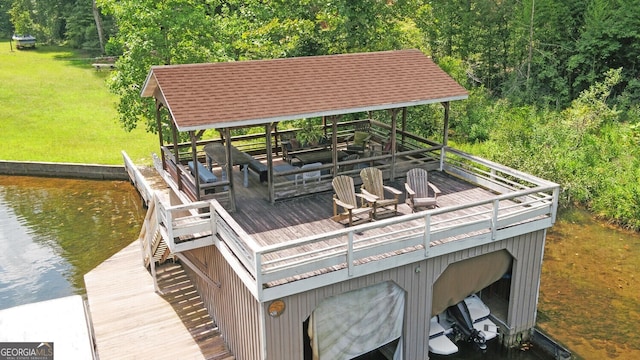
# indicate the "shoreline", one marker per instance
pixel 63 170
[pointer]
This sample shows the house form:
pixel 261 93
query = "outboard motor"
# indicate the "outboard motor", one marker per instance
pixel 460 313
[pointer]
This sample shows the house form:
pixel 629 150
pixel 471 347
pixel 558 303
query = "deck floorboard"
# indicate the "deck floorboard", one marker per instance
pixel 310 215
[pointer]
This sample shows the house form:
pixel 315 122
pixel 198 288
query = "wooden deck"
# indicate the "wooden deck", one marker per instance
pixel 309 215
pixel 130 320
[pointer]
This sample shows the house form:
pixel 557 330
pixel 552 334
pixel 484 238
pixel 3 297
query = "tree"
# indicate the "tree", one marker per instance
pixel 154 32
pixel 610 39
pixel 20 15
pixel 6 29
pixel 98 19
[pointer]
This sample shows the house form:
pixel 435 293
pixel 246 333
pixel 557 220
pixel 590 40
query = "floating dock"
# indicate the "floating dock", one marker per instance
pixel 61 322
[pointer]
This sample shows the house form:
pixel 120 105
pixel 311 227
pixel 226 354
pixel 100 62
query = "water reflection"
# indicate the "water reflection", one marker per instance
pixel 53 231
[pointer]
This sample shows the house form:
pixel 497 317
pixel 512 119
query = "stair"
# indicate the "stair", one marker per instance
pixel 179 291
pixel 150 233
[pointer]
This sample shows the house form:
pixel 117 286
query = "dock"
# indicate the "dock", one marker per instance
pixel 60 325
pixel 132 321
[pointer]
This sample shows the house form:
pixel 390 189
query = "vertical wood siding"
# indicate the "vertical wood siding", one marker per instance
pixel 239 315
pixel 233 308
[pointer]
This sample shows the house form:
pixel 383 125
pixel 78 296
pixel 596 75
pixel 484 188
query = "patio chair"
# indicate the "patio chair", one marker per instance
pixel 417 187
pixel 373 187
pixel 345 197
pixel 361 137
pixel 314 175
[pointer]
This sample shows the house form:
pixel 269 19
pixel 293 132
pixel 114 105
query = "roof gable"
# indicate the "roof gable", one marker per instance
pixel 216 95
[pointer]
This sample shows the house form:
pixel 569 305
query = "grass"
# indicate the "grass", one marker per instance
pixel 56 108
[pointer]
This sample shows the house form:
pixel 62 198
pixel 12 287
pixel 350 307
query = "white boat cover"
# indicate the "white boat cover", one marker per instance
pixel 356 322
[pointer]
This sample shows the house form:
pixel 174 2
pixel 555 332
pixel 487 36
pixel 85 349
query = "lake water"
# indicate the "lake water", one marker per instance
pixel 53 231
pixel 590 288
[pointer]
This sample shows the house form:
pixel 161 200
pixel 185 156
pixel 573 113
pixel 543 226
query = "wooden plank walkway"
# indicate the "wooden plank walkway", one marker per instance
pixel 132 321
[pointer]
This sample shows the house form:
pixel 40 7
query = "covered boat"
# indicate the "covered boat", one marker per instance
pixel 24 41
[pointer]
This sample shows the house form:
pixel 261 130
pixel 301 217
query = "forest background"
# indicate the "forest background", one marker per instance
pixel 554 84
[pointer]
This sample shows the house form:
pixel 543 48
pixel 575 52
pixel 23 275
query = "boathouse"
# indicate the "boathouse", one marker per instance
pixel 254 225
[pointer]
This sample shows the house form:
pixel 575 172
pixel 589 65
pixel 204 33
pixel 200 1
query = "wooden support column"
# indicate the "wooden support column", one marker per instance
pixel 334 143
pixel 159 128
pixel 404 125
pixel 226 133
pixel 268 128
pixel 194 158
pixel 176 154
pixel 275 137
pixel 394 125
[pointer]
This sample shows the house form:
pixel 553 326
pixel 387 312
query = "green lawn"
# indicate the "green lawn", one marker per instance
pixel 55 107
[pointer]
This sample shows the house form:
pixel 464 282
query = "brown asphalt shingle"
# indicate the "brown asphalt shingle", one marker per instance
pixel 216 95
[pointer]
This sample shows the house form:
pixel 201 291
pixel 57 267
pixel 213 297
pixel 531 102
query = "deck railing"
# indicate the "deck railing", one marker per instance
pixel 411 150
pixel 522 204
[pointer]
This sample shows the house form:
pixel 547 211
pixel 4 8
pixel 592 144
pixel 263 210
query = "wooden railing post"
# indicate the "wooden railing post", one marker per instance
pixel 213 218
pixel 153 208
pixel 494 218
pixel 427 234
pixel 350 252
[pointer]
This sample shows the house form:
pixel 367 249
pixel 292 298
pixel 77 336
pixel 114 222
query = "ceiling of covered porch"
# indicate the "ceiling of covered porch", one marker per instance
pixel 249 93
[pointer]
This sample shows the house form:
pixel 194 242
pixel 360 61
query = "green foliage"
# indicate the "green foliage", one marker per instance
pixel 474 119
pixel 609 40
pixel 310 132
pixel 152 33
pixel 586 149
pixel 20 15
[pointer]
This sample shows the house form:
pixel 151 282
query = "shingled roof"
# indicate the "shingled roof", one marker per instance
pixel 242 93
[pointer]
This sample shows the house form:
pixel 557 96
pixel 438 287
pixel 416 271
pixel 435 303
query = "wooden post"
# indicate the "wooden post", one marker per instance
pixel 275 137
pixel 334 143
pixel 176 154
pixel 404 124
pixel 394 118
pixel 159 106
pixel 226 133
pixel 194 158
pixel 267 130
